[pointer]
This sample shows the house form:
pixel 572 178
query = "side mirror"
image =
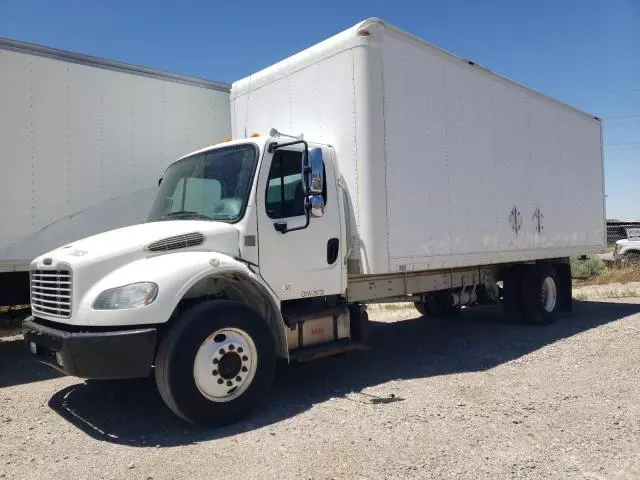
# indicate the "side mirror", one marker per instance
pixel 315 175
pixel 316 205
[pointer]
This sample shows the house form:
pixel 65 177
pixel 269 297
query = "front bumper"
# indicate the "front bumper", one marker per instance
pixel 94 355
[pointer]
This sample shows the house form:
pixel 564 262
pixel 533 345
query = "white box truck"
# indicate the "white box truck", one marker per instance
pixel 81 142
pixel 419 177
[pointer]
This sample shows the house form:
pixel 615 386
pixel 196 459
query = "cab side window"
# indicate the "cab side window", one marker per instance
pixel 285 188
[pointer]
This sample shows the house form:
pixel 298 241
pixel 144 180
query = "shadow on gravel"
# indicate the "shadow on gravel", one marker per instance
pixel 16 365
pixel 132 413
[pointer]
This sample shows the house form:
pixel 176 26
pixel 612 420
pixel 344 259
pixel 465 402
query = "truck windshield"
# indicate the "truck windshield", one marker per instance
pixel 212 185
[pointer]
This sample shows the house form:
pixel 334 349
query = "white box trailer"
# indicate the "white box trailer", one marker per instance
pixel 421 178
pixel 447 164
pixel 82 143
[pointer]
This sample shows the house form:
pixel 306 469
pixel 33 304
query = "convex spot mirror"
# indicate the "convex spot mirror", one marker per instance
pixel 316 205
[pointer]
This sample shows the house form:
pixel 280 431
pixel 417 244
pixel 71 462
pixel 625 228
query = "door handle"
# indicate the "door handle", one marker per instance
pixel 333 247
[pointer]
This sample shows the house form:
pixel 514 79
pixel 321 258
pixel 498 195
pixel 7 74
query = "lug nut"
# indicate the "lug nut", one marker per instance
pixel 244 369
pixel 231 347
pixel 215 372
pixel 215 361
pixel 240 350
pixel 222 351
pixel 238 378
pixel 220 381
pixel 245 358
pixel 229 383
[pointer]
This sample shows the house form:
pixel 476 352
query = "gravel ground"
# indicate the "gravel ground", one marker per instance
pixel 469 398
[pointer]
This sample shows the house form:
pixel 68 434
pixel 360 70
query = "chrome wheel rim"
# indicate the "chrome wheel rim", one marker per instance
pixel 549 294
pixel 225 364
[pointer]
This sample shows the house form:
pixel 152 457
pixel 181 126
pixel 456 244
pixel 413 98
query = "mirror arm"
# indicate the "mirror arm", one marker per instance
pixel 273 146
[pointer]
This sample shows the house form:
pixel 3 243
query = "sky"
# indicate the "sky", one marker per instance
pixel 583 52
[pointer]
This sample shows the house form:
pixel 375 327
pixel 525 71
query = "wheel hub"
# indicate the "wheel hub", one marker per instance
pixel 549 294
pixel 225 364
pixel 229 365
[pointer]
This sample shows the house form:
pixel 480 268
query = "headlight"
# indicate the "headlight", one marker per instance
pixel 128 296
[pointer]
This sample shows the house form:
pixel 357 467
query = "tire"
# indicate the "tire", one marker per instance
pixel 540 294
pixel 512 293
pixel 359 324
pixel 194 344
pixel 421 308
pixel 632 258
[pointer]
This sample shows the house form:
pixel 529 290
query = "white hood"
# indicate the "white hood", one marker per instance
pixel 132 241
pixel 627 242
pixel 94 259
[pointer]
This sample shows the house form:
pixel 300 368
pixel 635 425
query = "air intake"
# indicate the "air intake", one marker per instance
pixel 175 243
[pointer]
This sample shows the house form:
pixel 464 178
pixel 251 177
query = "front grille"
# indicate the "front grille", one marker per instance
pixel 51 292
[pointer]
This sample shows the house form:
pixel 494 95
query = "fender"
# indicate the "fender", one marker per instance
pixel 176 274
pixel 629 249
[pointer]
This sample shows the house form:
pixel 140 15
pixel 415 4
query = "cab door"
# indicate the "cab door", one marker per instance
pixel 302 262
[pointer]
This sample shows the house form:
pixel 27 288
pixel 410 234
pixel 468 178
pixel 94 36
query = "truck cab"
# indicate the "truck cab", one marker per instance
pixel 280 196
pixel 242 259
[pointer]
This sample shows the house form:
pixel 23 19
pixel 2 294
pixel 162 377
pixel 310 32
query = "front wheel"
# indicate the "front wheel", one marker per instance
pixel 216 363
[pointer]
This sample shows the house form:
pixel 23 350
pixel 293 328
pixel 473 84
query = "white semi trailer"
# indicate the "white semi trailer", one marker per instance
pixel 81 142
pixel 411 175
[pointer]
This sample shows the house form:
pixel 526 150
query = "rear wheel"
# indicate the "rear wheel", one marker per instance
pixel 421 308
pixel 512 293
pixel 540 294
pixel 359 324
pixel 216 363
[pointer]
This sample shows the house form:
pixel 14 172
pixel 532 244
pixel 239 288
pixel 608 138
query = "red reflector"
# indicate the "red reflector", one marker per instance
pixel 315 331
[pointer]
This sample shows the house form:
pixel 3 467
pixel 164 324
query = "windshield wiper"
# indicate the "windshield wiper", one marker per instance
pixel 187 214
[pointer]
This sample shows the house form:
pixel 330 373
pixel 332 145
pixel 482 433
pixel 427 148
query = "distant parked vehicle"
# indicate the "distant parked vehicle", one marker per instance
pixel 628 249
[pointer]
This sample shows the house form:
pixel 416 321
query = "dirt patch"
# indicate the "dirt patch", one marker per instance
pixel 612 290
pixel 612 275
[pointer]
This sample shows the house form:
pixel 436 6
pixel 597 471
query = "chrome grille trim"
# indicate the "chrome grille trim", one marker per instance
pixel 174 243
pixel 51 292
